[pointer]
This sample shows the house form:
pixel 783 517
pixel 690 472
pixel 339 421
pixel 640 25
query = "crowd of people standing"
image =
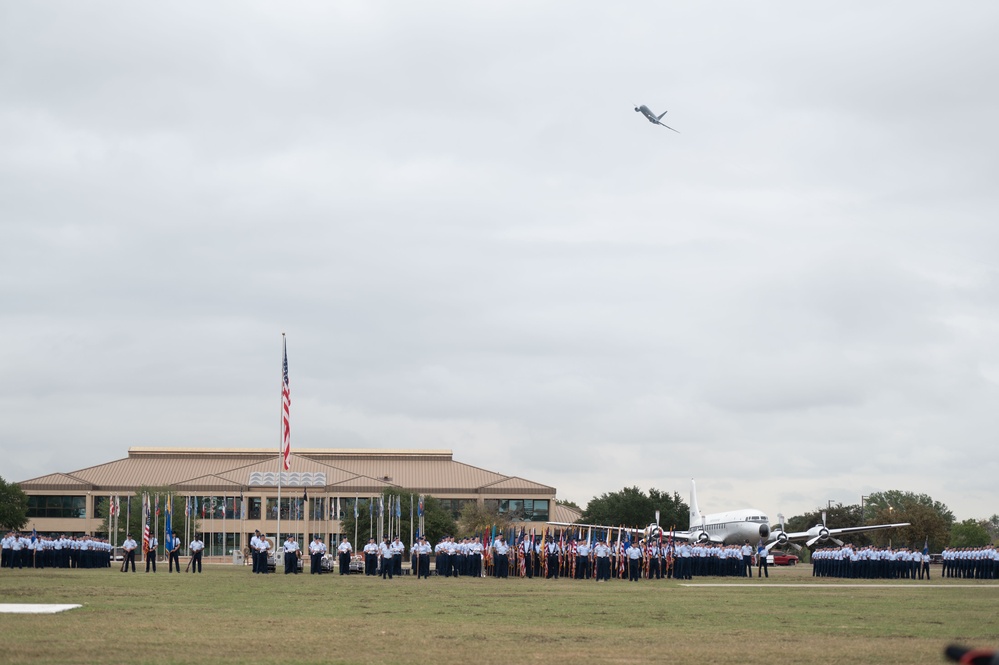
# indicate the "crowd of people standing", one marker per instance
pixel 23 550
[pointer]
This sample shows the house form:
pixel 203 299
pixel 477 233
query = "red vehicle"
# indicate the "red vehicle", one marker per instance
pixel 782 559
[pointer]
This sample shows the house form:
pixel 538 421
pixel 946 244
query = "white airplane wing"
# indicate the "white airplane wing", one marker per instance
pixel 811 537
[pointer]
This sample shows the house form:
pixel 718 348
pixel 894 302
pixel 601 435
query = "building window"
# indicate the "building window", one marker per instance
pixel 57 506
pixel 291 509
pixel 254 509
pixel 526 510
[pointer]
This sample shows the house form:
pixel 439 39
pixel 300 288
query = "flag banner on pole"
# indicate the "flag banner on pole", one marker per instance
pixel 168 529
pixel 145 523
pixel 286 414
pixel 355 507
pixel 419 507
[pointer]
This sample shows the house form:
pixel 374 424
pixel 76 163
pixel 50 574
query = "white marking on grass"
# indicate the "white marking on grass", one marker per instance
pixel 34 608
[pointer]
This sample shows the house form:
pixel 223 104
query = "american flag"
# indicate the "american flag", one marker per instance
pixel 145 525
pixel 285 411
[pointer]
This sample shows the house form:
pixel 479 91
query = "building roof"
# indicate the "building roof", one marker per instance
pixel 563 513
pixel 338 471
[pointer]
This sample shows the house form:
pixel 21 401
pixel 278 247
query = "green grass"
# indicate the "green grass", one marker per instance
pixel 229 615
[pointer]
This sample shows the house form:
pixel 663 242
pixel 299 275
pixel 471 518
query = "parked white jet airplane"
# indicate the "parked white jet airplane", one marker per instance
pixel 738 526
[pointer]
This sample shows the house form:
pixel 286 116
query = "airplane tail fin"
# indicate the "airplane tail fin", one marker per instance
pixel 695 513
pixel 661 115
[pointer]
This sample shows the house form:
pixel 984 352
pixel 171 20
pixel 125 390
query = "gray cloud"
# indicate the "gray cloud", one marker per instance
pixel 473 242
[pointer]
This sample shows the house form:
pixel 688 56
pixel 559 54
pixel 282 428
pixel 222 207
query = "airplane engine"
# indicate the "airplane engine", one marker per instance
pixel 764 531
pixel 652 532
pixel 702 536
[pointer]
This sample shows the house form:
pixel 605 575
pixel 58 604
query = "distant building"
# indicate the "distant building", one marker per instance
pixel 236 490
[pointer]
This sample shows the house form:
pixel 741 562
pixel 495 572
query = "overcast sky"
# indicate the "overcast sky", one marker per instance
pixel 473 241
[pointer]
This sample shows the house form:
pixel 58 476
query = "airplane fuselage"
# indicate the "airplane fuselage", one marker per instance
pixel 649 115
pixel 733 527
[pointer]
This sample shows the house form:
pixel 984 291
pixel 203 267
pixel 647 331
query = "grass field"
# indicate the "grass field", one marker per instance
pixel 229 615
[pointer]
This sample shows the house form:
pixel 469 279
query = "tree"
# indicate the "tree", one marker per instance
pixel 926 523
pixel 477 519
pixel 969 533
pixel 929 519
pixel 13 506
pixel 895 500
pixel 632 507
pixel 437 521
pixel 569 504
pixel 992 526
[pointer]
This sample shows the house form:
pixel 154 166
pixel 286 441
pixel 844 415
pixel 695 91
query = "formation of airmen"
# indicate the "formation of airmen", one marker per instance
pixel 22 550
pixel 543 557
pixel 870 563
pixel 902 563
pixel 978 563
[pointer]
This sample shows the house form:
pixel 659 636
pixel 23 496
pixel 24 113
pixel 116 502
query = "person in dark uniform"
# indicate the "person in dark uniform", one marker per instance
pixel 317 548
pixel 173 551
pixel 197 547
pixel 151 553
pixel 423 558
pixel 371 558
pixel 385 554
pixel 255 551
pixel 344 550
pixel 129 546
pixel 501 564
pixel 398 551
pixel 634 556
pixel 552 552
pixel 291 555
pixel 761 560
pixel 263 547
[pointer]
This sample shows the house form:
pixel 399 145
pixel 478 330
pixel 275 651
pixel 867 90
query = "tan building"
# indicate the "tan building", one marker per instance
pixel 235 491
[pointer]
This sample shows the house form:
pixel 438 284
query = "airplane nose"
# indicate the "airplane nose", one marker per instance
pixel 764 531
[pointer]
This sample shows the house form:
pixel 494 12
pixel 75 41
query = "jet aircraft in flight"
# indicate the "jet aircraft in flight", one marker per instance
pixel 652 117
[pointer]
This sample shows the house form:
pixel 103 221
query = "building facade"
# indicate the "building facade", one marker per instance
pixel 233 492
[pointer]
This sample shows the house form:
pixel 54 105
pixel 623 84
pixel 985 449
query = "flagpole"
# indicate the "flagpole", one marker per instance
pixel 156 525
pixel 284 429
